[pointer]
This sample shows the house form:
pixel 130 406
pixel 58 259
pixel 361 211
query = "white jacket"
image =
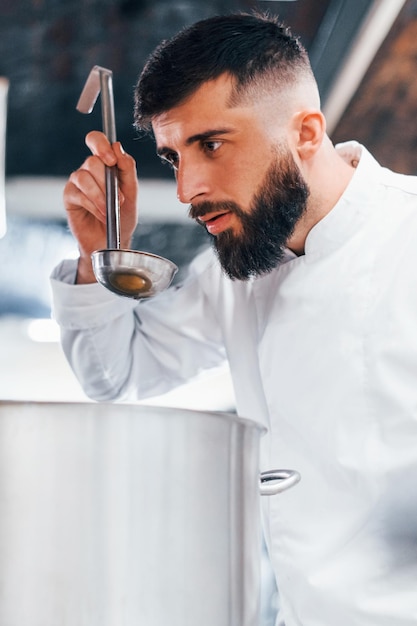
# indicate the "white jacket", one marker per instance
pixel 323 351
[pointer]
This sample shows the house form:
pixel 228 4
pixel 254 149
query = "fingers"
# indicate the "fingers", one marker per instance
pixel 86 189
pixel 85 193
pixel 99 145
pixel 86 186
pixel 126 167
pixel 115 155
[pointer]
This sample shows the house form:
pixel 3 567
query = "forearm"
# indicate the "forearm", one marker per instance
pixel 98 365
pixel 122 350
pixel 87 315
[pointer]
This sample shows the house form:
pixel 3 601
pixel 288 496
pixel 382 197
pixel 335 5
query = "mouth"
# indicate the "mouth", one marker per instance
pixel 216 223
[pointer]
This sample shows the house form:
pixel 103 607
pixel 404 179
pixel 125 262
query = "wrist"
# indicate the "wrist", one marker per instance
pixel 85 274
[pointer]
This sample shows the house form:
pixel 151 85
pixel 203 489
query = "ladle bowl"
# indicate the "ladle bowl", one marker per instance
pixel 131 273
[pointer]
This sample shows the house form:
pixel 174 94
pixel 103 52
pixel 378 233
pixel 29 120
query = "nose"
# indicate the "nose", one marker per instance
pixel 192 182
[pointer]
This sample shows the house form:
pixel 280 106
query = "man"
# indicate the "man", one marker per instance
pixel 310 296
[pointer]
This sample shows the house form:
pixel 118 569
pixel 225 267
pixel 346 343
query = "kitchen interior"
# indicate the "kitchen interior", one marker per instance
pixel 363 52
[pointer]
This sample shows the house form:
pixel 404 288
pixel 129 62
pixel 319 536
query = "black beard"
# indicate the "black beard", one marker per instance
pixel 266 228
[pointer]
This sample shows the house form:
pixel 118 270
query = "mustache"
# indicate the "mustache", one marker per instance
pixel 202 209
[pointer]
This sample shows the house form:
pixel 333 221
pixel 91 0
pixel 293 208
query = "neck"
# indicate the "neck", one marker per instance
pixel 327 175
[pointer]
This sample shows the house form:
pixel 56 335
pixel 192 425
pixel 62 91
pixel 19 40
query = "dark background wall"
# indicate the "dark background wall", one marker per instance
pixel 47 48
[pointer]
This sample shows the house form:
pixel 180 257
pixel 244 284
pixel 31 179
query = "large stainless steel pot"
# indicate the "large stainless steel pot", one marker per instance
pixel 122 515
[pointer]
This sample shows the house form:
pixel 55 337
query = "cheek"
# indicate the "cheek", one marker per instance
pixel 242 177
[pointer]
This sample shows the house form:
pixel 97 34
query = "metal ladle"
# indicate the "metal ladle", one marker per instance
pixel 127 273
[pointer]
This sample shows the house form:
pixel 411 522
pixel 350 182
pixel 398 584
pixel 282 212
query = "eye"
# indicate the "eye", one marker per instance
pixel 212 145
pixel 171 158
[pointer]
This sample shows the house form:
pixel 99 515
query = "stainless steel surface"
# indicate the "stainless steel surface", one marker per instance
pixel 121 515
pixel 99 80
pixel 277 481
pixel 112 183
pixel 91 90
pixel 142 275
pixel 127 275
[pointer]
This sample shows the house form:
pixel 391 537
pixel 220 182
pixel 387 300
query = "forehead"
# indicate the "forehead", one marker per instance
pixel 208 107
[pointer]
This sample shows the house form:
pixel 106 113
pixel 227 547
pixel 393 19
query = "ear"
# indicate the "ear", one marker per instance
pixel 310 128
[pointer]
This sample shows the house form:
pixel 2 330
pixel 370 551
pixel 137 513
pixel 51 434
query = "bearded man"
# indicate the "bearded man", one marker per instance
pixel 307 294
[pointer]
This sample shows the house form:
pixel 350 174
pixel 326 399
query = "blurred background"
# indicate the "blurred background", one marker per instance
pixel 364 53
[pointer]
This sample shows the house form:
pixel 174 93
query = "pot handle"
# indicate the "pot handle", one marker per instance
pixel 275 481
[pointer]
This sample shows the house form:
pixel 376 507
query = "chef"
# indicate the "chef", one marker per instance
pixel 309 293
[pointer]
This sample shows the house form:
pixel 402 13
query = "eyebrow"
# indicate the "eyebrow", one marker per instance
pixel 196 138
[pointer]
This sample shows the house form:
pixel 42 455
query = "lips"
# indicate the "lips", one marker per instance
pixel 216 222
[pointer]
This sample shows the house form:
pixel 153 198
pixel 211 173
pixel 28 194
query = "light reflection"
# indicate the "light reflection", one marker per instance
pixel 43 331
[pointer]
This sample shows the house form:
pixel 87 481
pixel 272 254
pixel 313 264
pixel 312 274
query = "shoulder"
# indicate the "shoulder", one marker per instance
pixel 402 183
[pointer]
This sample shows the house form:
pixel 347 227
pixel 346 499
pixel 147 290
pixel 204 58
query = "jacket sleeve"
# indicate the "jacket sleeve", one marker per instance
pixel 122 349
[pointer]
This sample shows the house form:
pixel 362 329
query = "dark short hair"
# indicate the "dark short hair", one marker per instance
pixel 246 46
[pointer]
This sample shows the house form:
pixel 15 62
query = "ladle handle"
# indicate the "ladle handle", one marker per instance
pixel 109 129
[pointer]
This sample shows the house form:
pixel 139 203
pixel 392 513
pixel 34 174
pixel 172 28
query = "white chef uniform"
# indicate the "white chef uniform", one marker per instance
pixel 323 351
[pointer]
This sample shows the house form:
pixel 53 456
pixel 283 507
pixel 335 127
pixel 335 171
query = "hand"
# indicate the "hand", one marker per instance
pixel 85 200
